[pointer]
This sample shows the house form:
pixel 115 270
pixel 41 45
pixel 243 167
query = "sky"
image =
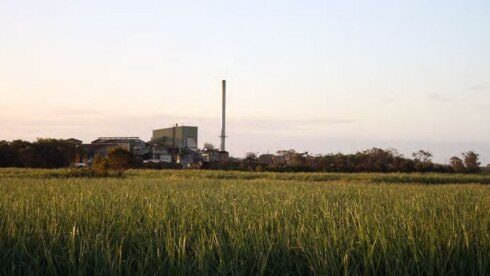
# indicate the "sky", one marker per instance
pixel 317 76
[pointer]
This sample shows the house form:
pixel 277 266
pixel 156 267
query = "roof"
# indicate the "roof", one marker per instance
pixel 114 140
pixel 176 127
pixel 90 148
pixel 160 141
pixel 73 140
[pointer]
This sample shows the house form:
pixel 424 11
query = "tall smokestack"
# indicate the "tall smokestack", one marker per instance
pixel 223 117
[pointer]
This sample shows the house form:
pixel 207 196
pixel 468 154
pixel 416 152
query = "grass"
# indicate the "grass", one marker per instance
pixel 210 222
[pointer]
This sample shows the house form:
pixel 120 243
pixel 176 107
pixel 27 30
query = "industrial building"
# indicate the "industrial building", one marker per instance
pixel 101 145
pixel 176 137
pixel 178 144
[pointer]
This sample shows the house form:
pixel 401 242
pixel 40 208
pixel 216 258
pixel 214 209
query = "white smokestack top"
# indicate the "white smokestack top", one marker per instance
pixel 223 117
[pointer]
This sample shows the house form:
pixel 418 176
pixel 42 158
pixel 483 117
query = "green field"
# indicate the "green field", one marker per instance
pixel 208 222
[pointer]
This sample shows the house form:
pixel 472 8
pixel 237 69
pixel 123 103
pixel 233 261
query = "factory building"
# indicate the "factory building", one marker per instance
pixel 176 144
pixel 100 146
pixel 176 137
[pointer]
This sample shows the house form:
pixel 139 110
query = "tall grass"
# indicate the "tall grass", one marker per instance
pixel 175 222
pixel 408 178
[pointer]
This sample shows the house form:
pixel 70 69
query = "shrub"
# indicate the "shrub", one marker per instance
pixel 100 166
pixel 119 160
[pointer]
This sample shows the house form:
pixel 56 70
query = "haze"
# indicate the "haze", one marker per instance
pixel 317 76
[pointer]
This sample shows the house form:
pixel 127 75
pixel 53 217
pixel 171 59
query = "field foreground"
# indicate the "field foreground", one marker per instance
pixel 188 222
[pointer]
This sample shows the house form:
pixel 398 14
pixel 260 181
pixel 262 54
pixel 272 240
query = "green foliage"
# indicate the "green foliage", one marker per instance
pixel 100 166
pixel 371 160
pixel 212 222
pixel 43 153
pixel 471 161
pixel 119 160
pixel 457 164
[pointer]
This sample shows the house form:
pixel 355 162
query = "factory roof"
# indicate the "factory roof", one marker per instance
pixel 103 140
pixel 182 126
pixel 74 141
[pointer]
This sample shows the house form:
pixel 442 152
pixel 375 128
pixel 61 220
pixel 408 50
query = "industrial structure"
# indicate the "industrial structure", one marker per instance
pixel 223 115
pixel 176 137
pixel 100 146
pixel 223 155
pixel 176 144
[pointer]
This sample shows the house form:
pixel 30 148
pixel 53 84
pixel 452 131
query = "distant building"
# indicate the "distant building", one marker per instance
pixel 73 141
pixel 176 144
pixel 266 158
pixel 210 156
pixel 100 146
pixel 161 154
pixel 215 156
pixel 176 137
pixel 91 150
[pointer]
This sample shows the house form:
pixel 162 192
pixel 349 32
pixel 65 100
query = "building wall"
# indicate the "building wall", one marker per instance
pixel 139 147
pixel 135 145
pixel 181 134
pixel 164 132
pixel 125 145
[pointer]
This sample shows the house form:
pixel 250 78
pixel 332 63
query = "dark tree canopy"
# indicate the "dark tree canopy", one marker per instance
pixel 119 160
pixel 457 164
pixel 471 161
pixel 43 153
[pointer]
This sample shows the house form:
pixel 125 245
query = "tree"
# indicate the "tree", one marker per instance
pixel 16 146
pixel 423 161
pixel 286 153
pixel 250 161
pixel 376 159
pixel 6 154
pixel 297 160
pixel 471 161
pixel 252 156
pixel 31 158
pixel 119 159
pixel 208 147
pixel 53 152
pixel 422 156
pixel 100 165
pixel 266 159
pixel 457 164
pixel 44 153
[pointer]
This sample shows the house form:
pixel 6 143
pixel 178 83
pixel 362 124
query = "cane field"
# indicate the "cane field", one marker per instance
pixel 214 222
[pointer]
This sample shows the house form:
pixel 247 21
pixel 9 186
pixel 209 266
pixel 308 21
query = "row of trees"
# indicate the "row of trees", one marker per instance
pixel 372 160
pixel 43 153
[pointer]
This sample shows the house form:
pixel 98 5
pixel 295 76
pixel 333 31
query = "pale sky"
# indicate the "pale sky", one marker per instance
pixel 317 76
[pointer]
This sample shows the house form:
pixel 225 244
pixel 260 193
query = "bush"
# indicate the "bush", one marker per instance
pixel 119 160
pixel 100 166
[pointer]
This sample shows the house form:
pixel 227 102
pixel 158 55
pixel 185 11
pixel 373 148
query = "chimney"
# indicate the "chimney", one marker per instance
pixel 223 117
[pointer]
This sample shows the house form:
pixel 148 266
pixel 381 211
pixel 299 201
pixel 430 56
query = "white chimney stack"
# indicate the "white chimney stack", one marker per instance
pixel 223 117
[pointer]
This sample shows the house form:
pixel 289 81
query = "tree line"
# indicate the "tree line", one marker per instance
pixel 54 153
pixel 43 153
pixel 371 160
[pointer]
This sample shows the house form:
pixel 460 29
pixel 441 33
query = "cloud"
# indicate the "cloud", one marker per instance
pixel 275 125
pixel 74 112
pixel 389 100
pixel 479 87
pixel 439 98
